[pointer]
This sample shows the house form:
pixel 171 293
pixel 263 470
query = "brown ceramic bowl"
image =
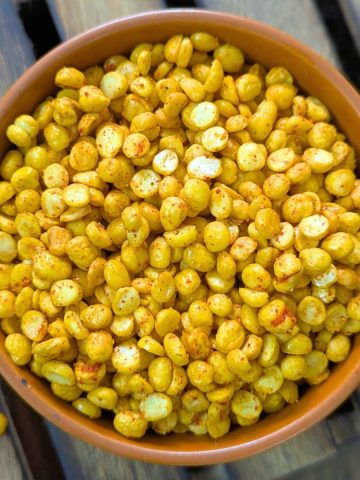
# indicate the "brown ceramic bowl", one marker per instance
pixel 314 75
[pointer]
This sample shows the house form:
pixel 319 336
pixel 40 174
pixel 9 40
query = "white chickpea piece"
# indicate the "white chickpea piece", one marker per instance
pixel 109 139
pixel 325 279
pixel 204 115
pixel 113 84
pixel 251 156
pixel 326 295
pixel 145 183
pixel 320 160
pixel 76 195
pixel 156 406
pixel 281 159
pixel 8 247
pixel 204 168
pixel 215 139
pixel 126 358
pixel 165 162
pixel 314 227
pixel 65 293
pixel 52 202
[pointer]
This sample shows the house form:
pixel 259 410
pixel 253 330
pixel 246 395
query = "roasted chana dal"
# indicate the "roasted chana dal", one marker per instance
pixel 179 239
pixel 3 423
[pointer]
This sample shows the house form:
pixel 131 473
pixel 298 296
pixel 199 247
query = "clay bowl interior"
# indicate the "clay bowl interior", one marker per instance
pixel 315 76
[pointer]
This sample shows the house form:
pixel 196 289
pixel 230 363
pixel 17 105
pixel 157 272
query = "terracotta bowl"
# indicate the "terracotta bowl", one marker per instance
pixel 315 76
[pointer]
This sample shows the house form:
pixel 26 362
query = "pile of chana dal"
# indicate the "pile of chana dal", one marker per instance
pixel 179 239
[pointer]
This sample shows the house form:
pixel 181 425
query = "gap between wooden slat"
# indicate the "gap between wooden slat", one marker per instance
pixel 39 25
pixel 338 30
pixel 351 11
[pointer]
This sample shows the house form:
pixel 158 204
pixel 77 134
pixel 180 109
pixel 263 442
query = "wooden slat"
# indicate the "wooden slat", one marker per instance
pixel 309 447
pixel 344 464
pixel 351 11
pixel 344 427
pixel 81 461
pixel 75 16
pixel 8 460
pixel 299 18
pixel 344 424
pixel 16 53
pixel 306 454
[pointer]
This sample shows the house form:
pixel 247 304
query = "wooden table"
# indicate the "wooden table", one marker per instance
pixel 35 450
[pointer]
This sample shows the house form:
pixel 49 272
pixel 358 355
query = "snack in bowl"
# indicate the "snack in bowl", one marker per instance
pixel 180 239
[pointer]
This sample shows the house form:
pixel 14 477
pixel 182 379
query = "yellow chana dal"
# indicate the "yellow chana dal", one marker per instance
pixel 179 239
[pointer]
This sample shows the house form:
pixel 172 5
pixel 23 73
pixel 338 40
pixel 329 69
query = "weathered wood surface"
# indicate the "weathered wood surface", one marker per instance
pixel 305 449
pixel 16 53
pixel 9 465
pixel 344 464
pixel 299 18
pixel 316 454
pixel 81 461
pixel 74 16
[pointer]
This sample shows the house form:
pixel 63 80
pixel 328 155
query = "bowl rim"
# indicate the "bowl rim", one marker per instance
pixel 18 378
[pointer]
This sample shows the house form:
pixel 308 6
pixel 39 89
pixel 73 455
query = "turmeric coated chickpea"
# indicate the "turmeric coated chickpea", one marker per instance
pixel 255 276
pixel 267 222
pixel 230 57
pixel 216 236
pixel 340 182
pixel 248 86
pixel 3 423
